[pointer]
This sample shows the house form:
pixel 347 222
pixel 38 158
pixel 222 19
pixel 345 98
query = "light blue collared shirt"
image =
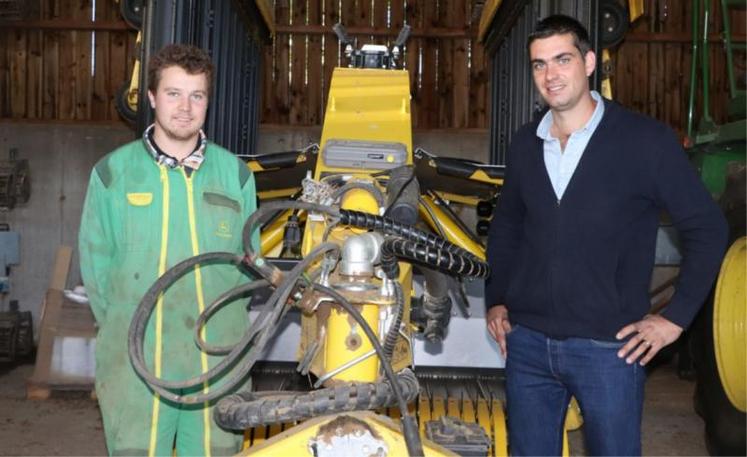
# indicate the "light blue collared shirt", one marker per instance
pixel 560 163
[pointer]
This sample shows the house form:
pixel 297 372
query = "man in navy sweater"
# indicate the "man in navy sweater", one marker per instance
pixel 571 248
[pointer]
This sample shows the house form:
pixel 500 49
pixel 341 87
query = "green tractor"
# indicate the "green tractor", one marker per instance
pixel 718 337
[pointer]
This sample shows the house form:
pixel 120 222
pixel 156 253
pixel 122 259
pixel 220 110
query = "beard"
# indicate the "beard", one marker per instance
pixel 180 134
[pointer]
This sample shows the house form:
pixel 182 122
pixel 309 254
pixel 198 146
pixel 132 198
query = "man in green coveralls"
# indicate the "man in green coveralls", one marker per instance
pixel 150 204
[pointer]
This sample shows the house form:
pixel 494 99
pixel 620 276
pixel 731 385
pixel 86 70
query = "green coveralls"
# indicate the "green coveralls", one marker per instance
pixel 140 219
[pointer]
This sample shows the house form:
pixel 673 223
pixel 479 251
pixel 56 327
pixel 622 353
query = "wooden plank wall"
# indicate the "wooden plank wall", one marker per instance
pixel 45 73
pixel 46 65
pixel 447 66
pixel 651 68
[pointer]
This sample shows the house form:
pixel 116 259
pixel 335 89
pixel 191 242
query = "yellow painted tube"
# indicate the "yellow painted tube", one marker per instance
pixel 483 418
pixel 500 434
pixel 452 408
pixel 345 342
pixel 439 407
pixel 429 210
pixel 424 412
pixel 635 9
pixel 468 410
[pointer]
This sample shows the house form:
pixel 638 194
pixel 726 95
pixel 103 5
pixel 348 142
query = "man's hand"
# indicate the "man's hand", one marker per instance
pixel 653 332
pixel 498 325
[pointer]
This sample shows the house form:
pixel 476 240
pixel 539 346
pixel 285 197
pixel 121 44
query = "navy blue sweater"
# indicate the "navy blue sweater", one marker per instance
pixel 582 266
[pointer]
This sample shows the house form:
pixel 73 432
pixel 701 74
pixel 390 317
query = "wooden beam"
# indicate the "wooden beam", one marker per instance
pixel 677 37
pixel 430 32
pixel 67 24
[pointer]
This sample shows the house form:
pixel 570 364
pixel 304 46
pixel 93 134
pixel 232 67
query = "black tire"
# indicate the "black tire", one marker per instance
pixel 132 12
pixel 725 425
pixel 613 23
pixel 123 108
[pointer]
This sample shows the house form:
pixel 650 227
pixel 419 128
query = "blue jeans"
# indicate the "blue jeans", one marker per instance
pixel 541 376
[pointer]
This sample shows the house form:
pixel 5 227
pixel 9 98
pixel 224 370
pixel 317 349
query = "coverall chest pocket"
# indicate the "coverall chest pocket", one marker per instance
pixel 140 221
pixel 221 219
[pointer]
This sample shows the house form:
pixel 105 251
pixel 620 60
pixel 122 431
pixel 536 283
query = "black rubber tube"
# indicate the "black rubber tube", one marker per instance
pixel 264 268
pixel 245 410
pixel 456 264
pixel 436 304
pixel 391 337
pixel 263 328
pixel 225 298
pixel 392 227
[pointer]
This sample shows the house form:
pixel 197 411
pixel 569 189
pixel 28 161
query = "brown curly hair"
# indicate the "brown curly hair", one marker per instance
pixel 190 58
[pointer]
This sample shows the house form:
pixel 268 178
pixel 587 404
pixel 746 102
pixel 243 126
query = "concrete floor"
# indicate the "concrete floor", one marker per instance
pixel 69 423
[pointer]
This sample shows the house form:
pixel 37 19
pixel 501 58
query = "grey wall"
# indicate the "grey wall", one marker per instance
pixel 61 157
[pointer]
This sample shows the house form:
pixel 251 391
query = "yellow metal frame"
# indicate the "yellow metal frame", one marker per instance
pixel 486 18
pixel 132 91
pixel 267 11
pixel 439 221
pixel 635 9
pixel 729 331
pixel 295 441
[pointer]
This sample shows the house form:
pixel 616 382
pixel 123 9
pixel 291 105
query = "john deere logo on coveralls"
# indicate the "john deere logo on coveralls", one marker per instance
pixel 224 230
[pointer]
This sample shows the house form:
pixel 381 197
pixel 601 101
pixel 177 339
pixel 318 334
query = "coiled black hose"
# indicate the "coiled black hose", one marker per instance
pixel 264 268
pixel 392 227
pixel 219 302
pixel 257 336
pixel 246 409
pixel 457 264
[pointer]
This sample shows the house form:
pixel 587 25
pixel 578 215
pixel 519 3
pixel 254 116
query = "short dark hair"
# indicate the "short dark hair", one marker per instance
pixel 560 24
pixel 190 58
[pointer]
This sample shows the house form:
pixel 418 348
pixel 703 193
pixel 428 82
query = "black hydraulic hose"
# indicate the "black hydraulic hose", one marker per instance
pixel 264 268
pixel 436 306
pixel 247 409
pixel 408 232
pixel 263 327
pixel 409 423
pixel 136 334
pixel 362 220
pixel 437 258
pixel 391 337
pixel 226 297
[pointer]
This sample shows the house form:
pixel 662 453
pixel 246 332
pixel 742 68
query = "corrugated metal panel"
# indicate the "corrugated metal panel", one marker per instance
pixel 232 33
pixel 514 99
